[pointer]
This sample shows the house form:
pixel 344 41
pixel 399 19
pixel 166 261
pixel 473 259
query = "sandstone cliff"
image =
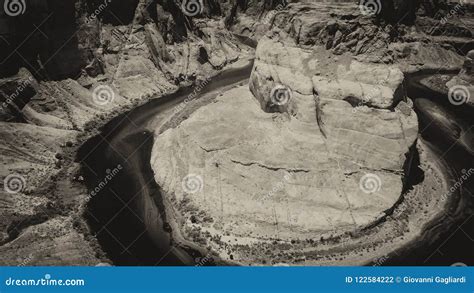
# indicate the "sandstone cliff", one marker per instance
pixel 68 66
pixel 314 151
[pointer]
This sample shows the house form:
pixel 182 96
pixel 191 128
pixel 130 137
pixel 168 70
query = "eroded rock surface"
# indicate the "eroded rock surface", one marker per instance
pixel 66 67
pixel 276 174
pixel 294 175
pixel 56 56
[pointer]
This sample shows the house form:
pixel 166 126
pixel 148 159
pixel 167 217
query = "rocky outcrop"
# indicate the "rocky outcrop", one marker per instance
pixel 315 72
pixel 345 28
pixel 51 39
pixel 67 67
pixel 297 172
pixel 310 165
pixel 15 92
pixel 35 226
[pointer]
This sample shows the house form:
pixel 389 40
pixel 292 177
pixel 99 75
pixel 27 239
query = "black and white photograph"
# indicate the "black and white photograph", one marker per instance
pixel 236 133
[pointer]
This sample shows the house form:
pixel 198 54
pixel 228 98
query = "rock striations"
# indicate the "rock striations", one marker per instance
pixel 309 163
pixel 306 164
pixel 67 67
pixel 325 159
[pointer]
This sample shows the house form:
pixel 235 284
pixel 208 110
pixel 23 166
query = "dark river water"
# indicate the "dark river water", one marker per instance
pixel 127 216
pixel 451 240
pixel 116 214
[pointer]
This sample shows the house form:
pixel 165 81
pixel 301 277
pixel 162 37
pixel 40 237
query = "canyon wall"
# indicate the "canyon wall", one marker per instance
pixel 67 67
pixel 313 156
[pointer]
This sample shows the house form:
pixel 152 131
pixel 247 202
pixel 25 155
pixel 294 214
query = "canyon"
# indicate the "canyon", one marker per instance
pixel 254 133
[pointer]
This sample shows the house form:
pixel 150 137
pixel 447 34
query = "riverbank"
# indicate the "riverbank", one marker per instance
pixel 417 223
pixel 140 124
pixel 53 201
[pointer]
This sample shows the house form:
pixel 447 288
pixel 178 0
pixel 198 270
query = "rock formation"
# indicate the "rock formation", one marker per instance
pixel 68 66
pixel 295 167
pixel 318 164
pixel 325 106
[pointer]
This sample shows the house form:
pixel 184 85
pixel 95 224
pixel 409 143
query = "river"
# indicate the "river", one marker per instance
pixel 128 215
